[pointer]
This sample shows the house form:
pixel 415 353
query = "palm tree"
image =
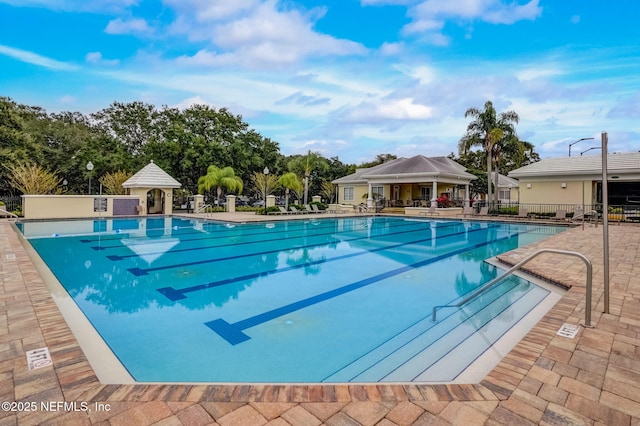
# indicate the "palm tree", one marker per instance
pixel 305 165
pixel 264 184
pixel 219 178
pixel 486 130
pixel 290 181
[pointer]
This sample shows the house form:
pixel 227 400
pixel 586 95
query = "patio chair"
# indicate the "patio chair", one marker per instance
pixel 315 209
pixel 295 210
pixel 560 215
pixel 283 210
pixel 467 211
pixel 431 211
pixel 307 208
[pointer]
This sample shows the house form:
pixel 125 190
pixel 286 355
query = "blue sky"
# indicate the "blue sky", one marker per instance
pixel 347 78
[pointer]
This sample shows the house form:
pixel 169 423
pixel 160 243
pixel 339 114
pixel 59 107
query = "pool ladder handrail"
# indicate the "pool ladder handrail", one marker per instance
pixel 3 212
pixel 516 267
pixel 202 208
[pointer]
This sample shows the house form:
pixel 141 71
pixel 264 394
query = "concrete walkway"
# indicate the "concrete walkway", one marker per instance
pixel 592 379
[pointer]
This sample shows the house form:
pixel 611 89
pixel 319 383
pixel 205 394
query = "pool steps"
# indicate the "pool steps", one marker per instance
pixel 459 337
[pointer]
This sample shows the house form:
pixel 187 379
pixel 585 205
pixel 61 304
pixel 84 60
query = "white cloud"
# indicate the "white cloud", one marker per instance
pixel 97 59
pixel 35 59
pixel 131 26
pixel 430 15
pixel 256 34
pixel 400 109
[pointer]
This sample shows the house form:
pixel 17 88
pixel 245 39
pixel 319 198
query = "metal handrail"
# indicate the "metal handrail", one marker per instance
pixel 587 262
pixel 202 208
pixel 6 213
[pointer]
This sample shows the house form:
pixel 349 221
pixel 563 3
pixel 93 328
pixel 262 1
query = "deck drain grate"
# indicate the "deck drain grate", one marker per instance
pixel 568 330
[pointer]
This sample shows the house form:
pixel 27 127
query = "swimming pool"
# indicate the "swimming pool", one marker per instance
pixel 329 300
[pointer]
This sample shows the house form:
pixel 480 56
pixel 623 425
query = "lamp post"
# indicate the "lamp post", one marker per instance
pixel 579 140
pixel 266 173
pixel 593 147
pixel 89 168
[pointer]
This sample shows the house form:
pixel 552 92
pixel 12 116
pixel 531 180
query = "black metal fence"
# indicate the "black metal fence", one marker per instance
pixel 11 203
pixel 590 212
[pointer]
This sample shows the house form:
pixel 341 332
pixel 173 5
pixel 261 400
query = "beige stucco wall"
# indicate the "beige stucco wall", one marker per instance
pixel 65 206
pixel 407 191
pixel 552 192
pixel 157 199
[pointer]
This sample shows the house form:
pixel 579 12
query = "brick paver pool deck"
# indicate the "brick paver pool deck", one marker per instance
pixel 592 379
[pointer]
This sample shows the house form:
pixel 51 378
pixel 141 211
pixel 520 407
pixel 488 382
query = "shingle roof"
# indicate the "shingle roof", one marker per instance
pixel 416 165
pixel 151 176
pixel 616 163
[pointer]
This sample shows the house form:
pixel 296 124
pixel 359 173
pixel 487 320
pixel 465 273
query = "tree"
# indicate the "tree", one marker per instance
pixel 31 178
pixel 380 159
pixel 486 130
pixel 305 165
pixel 112 182
pixel 264 184
pixel 290 181
pixel 220 178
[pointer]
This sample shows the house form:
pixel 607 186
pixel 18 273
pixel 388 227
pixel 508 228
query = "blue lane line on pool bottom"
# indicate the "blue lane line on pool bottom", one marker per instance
pixel 178 294
pixel 140 272
pixel 234 333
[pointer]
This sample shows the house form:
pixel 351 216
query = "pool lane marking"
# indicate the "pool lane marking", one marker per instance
pixel 219 230
pixel 140 272
pixel 234 333
pixel 218 236
pixel 332 231
pixel 173 294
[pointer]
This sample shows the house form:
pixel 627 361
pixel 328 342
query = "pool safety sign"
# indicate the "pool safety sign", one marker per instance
pixel 568 330
pixel 38 358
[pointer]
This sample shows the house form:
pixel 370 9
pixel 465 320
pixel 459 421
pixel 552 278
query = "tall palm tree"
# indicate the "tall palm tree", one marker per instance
pixel 306 164
pixel 219 178
pixel 290 181
pixel 486 130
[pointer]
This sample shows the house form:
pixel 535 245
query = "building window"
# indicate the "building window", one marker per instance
pixel 504 195
pixel 425 193
pixel 377 192
pixel 348 193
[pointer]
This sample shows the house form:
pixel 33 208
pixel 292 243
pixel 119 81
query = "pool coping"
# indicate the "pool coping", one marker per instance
pixel 541 360
pixel 110 370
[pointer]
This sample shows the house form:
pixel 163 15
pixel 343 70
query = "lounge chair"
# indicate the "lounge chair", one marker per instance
pixel 467 211
pixel 560 215
pixel 307 208
pixel 523 213
pixel 315 209
pixel 431 211
pixel 283 210
pixel 295 210
pixel 484 211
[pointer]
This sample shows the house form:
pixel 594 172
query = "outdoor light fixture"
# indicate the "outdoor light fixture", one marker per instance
pixel 89 168
pixel 563 184
pixel 529 185
pixel 579 140
pixel 266 173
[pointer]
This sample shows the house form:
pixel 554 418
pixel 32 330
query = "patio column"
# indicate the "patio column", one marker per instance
pixel 467 201
pixel 434 194
pixel 369 197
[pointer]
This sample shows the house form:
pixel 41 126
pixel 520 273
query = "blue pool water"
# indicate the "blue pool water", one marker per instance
pixel 330 300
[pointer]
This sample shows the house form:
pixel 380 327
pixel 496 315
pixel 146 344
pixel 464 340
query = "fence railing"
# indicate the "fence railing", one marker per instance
pixel 11 203
pixel 616 213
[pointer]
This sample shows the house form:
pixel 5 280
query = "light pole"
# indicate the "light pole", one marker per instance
pixel 89 168
pixel 579 140
pixel 266 173
pixel 593 147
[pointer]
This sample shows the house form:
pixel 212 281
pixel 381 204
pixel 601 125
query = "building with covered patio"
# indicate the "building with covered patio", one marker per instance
pixel 414 183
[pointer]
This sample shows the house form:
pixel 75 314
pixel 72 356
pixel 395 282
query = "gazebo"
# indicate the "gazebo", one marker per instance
pixel 155 186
